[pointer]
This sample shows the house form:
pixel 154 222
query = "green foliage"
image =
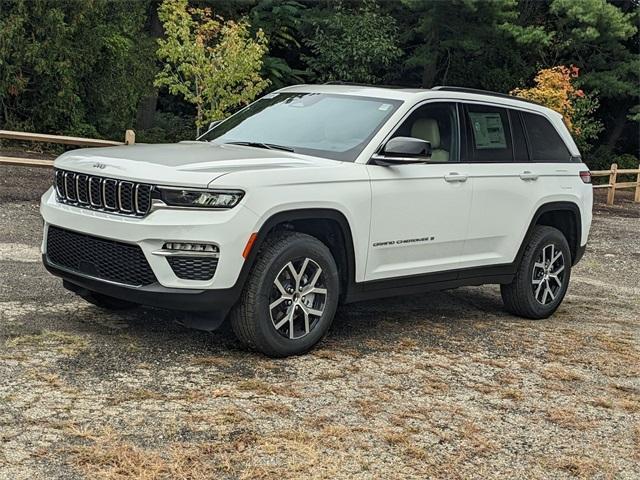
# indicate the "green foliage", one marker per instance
pixel 83 66
pixel 464 42
pixel 168 128
pixel 603 157
pixel 281 21
pixel 353 45
pixel 213 64
pixel 585 122
pixel 73 66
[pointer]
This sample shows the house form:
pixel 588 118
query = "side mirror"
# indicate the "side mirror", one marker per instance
pixel 401 150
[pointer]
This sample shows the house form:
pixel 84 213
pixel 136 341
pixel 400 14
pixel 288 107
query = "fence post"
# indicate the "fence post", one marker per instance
pixel 129 137
pixel 611 191
pixel 637 197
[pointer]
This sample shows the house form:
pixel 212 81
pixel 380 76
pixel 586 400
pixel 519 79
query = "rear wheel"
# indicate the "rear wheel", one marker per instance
pixel 106 302
pixel 290 297
pixel 543 276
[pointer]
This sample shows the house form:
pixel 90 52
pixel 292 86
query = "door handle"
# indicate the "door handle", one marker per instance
pixel 455 177
pixel 527 175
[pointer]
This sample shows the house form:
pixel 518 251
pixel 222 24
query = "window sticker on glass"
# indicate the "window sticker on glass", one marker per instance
pixel 384 107
pixel 488 130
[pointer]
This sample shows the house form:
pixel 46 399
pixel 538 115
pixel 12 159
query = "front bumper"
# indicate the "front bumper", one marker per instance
pixel 228 229
pixel 216 303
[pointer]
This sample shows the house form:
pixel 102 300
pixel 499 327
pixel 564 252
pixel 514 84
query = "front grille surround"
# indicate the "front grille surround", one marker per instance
pixel 100 258
pixel 105 194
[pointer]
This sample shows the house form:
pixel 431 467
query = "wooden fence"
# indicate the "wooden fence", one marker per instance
pixel 129 139
pixel 614 184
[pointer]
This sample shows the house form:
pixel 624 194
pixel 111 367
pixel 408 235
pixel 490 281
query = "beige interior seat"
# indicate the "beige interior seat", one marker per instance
pixel 427 129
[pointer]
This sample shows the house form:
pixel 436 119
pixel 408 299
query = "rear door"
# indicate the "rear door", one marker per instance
pixel 506 184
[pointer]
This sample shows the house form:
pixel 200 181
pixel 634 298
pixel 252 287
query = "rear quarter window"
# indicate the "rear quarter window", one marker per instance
pixel 545 143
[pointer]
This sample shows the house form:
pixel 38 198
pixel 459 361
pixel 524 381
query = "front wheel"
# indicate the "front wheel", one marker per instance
pixel 542 277
pixel 290 298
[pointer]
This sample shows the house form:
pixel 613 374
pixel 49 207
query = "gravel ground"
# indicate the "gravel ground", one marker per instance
pixel 444 385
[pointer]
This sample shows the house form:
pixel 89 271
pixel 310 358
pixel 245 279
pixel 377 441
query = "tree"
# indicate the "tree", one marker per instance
pixel 352 45
pixel 555 88
pixel 212 63
pixel 73 66
pixel 601 39
pixel 281 21
pixel 461 42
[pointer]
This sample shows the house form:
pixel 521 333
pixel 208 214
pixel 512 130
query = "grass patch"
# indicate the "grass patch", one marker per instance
pixel 59 342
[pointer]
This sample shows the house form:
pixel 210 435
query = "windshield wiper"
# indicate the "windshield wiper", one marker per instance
pixel 268 146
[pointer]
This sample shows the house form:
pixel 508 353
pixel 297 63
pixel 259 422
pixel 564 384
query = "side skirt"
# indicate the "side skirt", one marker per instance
pixel 430 282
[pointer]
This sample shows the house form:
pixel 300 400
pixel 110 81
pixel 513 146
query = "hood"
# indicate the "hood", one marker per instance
pixel 188 164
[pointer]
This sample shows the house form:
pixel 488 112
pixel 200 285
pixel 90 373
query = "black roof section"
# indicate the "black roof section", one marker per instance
pixel 355 84
pixel 444 88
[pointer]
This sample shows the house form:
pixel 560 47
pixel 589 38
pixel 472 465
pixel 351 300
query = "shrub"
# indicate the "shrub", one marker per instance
pixel 554 88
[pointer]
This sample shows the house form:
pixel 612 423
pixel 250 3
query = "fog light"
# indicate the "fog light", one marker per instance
pixel 191 247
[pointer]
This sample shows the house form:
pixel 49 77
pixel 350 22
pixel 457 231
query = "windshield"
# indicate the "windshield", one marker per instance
pixel 324 125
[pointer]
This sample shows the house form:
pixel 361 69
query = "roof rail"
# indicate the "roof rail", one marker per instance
pixel 444 88
pixel 355 84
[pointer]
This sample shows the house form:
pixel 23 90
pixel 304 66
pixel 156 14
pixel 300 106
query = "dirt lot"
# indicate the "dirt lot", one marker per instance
pixel 444 385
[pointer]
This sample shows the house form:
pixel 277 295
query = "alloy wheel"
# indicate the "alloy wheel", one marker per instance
pixel 298 298
pixel 548 274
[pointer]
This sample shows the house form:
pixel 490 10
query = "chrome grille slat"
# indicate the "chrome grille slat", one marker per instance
pixel 69 186
pixel 97 201
pixel 82 189
pixel 104 194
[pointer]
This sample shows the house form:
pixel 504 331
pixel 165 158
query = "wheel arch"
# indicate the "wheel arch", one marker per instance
pixel 566 217
pixel 330 226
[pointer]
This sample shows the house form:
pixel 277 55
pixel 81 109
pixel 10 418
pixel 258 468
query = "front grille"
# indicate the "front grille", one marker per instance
pixel 99 258
pixel 105 194
pixel 193 268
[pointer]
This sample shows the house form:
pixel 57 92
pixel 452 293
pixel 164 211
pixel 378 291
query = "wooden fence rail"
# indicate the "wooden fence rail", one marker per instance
pixel 129 139
pixel 614 184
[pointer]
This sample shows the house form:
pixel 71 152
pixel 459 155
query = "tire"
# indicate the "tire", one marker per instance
pixel 270 315
pixel 538 287
pixel 108 303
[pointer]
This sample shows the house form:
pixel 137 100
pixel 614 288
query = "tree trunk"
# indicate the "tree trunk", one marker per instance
pixel 430 68
pixel 149 103
pixel 429 72
pixel 619 123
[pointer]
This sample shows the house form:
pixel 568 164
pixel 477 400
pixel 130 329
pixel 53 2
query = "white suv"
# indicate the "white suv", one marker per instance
pixel 318 195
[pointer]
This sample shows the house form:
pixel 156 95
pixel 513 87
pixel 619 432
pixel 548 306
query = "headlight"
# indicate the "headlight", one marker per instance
pixel 179 197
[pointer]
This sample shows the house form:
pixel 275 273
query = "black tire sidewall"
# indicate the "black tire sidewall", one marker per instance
pixel 296 248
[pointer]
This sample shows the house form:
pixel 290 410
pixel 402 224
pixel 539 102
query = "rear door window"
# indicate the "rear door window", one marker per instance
pixel 545 143
pixel 489 133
